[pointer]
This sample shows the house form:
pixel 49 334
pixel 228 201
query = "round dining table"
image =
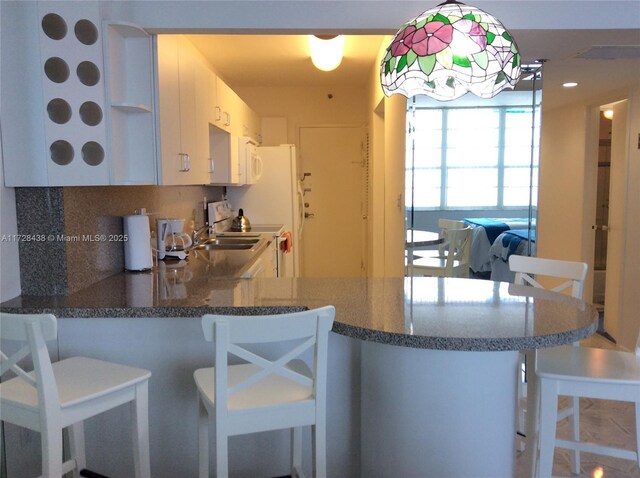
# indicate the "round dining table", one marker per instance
pixel 419 238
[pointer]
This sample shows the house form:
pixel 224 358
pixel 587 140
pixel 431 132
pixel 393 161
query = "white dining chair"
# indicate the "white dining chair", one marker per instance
pixel 453 262
pixel 585 372
pixel 261 394
pixel 58 396
pixel 570 275
pixel 444 225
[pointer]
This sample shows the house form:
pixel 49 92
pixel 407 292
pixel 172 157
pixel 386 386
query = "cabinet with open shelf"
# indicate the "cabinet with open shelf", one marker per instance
pixel 129 78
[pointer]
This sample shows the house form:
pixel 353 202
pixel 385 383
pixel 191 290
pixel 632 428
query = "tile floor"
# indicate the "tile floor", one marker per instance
pixel 602 421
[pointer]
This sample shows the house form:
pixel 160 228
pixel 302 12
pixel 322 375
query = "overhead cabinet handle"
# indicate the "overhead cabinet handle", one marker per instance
pixel 185 161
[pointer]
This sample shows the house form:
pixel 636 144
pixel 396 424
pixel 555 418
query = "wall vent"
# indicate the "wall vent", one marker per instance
pixel 611 52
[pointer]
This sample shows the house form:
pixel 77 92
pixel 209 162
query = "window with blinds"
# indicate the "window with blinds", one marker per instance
pixel 465 158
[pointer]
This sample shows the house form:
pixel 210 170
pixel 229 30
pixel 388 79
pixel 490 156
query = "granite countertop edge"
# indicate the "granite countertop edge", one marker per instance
pixel 461 344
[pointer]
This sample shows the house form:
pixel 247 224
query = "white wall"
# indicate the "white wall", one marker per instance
pixel 394 166
pixel 9 265
pixel 568 178
pixel 307 106
pixel 562 190
pixel 386 176
pixel 373 15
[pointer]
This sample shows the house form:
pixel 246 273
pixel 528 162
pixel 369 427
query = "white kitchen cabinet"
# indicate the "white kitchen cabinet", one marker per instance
pixel 270 257
pixel 227 108
pixel 212 98
pixel 251 124
pixel 232 122
pixel 201 119
pixel 53 93
pixel 184 135
pixel 129 79
pixel 226 168
pixel 264 266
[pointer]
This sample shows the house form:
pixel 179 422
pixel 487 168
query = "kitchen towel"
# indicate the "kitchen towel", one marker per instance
pixel 137 245
pixel 287 244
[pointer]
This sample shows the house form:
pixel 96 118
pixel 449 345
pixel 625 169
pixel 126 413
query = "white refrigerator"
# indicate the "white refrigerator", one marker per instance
pixel 276 198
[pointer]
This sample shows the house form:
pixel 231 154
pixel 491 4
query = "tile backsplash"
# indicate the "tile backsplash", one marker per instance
pixel 66 257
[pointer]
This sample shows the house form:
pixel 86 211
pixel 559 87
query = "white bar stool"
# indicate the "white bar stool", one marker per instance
pixel 55 396
pixel 263 394
pixel 572 273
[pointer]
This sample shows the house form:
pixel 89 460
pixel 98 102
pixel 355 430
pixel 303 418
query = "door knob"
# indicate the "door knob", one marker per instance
pixel 309 215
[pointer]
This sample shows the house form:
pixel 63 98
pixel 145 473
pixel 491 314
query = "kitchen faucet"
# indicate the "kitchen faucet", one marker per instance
pixel 197 233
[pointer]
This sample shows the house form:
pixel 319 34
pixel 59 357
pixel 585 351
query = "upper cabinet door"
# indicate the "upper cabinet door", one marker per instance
pixel 172 167
pixel 182 84
pixel 227 109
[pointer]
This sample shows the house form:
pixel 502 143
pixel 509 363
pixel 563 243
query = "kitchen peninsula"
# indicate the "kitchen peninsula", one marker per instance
pixel 415 364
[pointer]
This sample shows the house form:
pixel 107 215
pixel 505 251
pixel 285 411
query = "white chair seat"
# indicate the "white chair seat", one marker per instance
pixel 588 364
pixel 418 254
pixel 268 392
pixel 584 372
pixel 78 379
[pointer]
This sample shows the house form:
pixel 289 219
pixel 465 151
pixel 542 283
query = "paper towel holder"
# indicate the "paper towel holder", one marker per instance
pixel 137 246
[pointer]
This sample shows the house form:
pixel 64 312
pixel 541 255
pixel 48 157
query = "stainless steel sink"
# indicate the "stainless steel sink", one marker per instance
pixel 233 240
pixel 228 244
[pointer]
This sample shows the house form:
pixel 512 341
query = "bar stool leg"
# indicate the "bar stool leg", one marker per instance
pixel 140 432
pixel 76 445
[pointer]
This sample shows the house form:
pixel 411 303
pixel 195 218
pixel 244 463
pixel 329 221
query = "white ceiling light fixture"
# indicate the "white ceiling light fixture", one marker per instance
pixel 570 84
pixel 326 51
pixel 608 114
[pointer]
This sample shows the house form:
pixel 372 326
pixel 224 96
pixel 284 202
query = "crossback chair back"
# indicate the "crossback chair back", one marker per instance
pixel 32 332
pixel 527 269
pixel 445 225
pixel 231 334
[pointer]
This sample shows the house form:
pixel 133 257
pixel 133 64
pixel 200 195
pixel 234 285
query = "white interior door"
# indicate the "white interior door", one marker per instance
pixel 616 227
pixel 333 233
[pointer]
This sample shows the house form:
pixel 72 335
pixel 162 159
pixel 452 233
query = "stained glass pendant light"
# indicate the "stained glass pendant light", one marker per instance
pixel 448 51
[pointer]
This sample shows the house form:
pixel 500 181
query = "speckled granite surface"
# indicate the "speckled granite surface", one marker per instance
pixel 65 258
pixel 444 314
pixel 43 265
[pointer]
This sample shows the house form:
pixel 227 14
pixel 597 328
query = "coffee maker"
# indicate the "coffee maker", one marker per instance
pixel 173 243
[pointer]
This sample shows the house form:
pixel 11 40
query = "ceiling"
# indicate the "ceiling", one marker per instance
pixel 283 60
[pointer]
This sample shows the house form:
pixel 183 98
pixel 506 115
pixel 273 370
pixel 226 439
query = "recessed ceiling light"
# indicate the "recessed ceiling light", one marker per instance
pixel 569 84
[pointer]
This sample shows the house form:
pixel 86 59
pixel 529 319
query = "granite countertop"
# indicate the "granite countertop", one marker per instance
pixel 445 314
